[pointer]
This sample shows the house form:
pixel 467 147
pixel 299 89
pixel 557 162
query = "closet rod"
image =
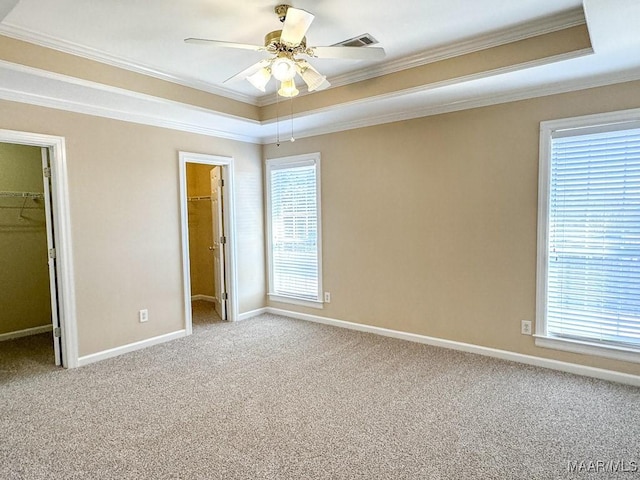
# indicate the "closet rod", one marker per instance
pixel 21 195
pixel 204 197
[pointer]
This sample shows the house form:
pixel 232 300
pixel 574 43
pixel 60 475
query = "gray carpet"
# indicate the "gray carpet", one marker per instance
pixel 275 398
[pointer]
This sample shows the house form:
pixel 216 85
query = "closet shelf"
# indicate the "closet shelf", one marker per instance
pixel 195 199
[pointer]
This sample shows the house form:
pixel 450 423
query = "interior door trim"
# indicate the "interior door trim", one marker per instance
pixel 62 232
pixel 229 228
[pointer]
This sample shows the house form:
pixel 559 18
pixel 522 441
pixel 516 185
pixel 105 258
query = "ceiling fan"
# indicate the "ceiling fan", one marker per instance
pixel 285 46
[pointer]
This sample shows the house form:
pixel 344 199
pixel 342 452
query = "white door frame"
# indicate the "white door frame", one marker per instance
pixel 62 232
pixel 229 227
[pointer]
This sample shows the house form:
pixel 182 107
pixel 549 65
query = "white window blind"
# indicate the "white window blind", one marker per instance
pixel 593 271
pixel 294 229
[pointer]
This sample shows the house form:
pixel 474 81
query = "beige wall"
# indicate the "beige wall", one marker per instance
pixel 200 230
pixel 125 221
pixel 24 273
pixel 429 225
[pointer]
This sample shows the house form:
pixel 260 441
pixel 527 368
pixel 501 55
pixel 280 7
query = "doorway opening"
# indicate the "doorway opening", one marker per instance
pixel 208 227
pixel 35 284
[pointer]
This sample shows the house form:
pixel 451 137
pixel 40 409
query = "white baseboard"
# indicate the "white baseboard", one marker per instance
pixel 206 298
pixel 26 332
pixel 252 313
pixel 131 347
pixel 600 373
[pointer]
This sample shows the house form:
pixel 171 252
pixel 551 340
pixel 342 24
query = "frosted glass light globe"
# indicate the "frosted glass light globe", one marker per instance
pixel 283 69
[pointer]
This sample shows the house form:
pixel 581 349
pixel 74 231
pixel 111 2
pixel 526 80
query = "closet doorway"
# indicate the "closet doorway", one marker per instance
pixel 208 238
pixel 30 317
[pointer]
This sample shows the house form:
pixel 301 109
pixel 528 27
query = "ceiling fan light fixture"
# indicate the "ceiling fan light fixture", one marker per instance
pixel 311 77
pixel 283 68
pixel 288 89
pixel 260 79
pixel 325 84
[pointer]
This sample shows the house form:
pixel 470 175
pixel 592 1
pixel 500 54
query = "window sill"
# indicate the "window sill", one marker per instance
pixel 295 301
pixel 586 348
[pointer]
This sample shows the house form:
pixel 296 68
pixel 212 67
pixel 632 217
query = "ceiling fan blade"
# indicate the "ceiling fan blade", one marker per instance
pixel 218 43
pixel 350 53
pixel 295 26
pixel 6 7
pixel 247 72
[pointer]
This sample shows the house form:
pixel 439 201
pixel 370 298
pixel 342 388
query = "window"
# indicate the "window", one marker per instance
pixel 589 236
pixel 293 229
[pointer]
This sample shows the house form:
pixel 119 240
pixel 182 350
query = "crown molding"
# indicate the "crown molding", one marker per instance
pixel 568 19
pixel 87 109
pixel 39 87
pixel 67 93
pixel 89 53
pixel 396 94
pixel 163 111
pixel 455 106
pixel 543 26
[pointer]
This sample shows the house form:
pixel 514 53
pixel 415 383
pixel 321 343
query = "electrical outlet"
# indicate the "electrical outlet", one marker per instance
pixel 327 297
pixel 525 327
pixel 143 315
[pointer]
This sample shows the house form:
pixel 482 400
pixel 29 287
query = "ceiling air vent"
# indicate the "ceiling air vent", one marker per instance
pixel 359 41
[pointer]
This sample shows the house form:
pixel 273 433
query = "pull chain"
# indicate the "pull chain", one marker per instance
pixel 291 117
pixel 277 120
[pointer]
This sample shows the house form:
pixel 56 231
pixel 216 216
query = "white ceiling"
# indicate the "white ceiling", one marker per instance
pixel 147 35
pixel 150 33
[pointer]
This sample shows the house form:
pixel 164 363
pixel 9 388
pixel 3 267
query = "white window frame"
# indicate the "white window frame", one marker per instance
pixel 293 161
pixel 547 130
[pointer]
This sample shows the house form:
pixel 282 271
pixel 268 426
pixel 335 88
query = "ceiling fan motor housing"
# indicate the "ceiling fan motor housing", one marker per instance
pixel 273 38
